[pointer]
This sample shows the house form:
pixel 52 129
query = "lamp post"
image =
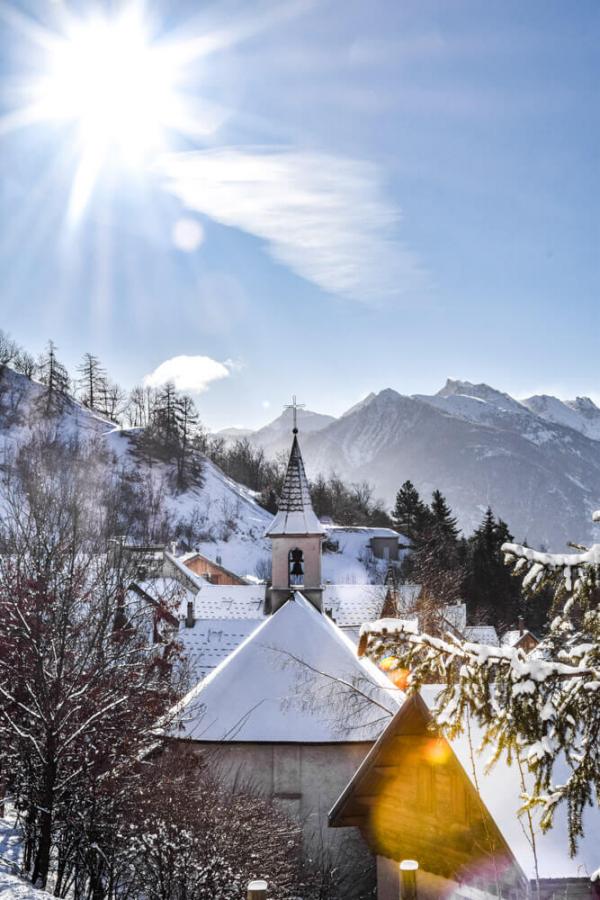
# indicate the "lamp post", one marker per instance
pixel 408 879
pixel 257 890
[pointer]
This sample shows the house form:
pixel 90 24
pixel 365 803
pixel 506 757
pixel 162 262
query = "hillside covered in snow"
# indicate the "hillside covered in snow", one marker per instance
pixel 215 515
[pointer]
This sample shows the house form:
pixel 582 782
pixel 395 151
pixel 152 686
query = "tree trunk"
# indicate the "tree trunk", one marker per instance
pixel 42 860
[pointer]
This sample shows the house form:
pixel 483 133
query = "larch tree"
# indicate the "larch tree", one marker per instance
pixel 54 376
pixel 92 382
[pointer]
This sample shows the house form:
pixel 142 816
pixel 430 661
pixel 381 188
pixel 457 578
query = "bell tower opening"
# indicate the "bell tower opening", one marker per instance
pixel 296 567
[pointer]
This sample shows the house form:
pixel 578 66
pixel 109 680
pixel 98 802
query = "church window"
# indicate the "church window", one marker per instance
pixel 296 567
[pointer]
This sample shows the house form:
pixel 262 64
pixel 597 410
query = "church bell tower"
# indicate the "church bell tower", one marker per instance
pixel 296 535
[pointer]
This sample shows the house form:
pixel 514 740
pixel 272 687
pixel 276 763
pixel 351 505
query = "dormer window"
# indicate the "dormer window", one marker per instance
pixel 296 567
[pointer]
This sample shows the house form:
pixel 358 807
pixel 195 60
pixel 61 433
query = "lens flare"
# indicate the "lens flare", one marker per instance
pixel 399 676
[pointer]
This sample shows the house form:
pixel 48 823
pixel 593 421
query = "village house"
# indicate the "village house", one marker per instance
pixel 520 638
pixel 418 796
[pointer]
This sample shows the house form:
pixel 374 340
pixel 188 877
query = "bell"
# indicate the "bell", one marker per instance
pixel 297 569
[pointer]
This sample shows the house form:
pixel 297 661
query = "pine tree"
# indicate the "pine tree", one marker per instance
pixel 410 514
pixel 538 710
pixel 492 594
pixel 442 516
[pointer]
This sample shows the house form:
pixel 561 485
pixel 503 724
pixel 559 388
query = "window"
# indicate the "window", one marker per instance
pixel 296 567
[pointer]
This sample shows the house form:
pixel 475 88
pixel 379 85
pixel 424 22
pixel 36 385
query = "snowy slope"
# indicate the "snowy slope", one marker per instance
pixel 581 414
pixel 12 887
pixel 230 523
pixel 225 513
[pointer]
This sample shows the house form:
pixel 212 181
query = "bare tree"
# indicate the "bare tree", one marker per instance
pixel 79 677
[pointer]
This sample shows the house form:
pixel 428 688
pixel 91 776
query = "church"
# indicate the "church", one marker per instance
pixel 291 708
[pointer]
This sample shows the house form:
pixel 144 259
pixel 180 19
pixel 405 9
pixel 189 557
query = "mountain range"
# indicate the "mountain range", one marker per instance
pixel 535 461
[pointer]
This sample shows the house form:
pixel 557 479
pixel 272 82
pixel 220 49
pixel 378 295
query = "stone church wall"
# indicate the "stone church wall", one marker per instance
pixel 305 780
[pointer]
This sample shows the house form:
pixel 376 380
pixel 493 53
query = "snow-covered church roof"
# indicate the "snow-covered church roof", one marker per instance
pixel 295 679
pixel 295 514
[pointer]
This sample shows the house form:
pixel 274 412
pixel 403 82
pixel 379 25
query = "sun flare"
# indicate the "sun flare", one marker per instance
pixel 116 88
pixel 108 78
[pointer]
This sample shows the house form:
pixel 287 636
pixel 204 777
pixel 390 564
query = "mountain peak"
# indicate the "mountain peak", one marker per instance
pixel 481 391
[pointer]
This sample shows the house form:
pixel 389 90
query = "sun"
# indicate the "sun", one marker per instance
pixel 108 77
pixel 116 88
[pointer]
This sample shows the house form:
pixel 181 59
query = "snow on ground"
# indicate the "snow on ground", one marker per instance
pixel 11 886
pixel 14 888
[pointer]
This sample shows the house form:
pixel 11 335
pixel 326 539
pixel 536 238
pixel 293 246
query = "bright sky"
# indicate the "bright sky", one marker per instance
pixel 360 196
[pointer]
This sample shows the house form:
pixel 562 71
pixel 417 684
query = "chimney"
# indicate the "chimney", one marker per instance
pixel 173 548
pixel 189 618
pixel 521 626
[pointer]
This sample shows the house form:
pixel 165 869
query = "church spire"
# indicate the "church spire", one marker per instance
pixel 295 514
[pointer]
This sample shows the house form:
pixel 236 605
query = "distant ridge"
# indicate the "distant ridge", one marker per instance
pixel 536 461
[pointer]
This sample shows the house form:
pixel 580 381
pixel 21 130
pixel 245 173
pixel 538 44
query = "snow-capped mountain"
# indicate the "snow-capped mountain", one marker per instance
pixel 275 437
pixel 582 414
pixel 479 446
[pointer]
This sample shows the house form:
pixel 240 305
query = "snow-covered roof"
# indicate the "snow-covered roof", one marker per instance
pixel 210 641
pixel 366 530
pixel 353 604
pixel 512 638
pixel 482 634
pixel 165 589
pixel 500 790
pixel 295 514
pixel 295 679
pixel 456 615
pixel 229 601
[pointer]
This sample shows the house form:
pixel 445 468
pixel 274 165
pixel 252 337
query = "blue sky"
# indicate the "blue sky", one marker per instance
pixel 388 194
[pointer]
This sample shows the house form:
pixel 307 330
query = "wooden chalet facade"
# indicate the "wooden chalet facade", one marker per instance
pixel 411 799
pixel 213 572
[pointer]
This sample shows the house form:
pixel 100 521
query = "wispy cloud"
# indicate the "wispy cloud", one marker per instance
pixel 189 373
pixel 325 217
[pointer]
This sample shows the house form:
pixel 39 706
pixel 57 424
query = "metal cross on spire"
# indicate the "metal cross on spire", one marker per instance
pixel 295 406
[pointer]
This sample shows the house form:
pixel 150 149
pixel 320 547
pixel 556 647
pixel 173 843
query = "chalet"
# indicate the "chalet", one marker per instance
pixel 417 796
pixel 213 572
pixel 520 638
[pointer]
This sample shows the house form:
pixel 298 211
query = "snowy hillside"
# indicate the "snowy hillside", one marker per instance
pixel 228 523
pixel 226 516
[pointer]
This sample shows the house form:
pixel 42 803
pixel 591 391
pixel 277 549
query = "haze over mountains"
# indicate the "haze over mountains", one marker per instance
pixel 536 462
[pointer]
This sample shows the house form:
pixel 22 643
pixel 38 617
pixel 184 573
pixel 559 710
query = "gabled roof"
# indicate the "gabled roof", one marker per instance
pixel 482 634
pixel 500 791
pixel 512 638
pixel 295 514
pixel 353 604
pixel 295 679
pixel 187 558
